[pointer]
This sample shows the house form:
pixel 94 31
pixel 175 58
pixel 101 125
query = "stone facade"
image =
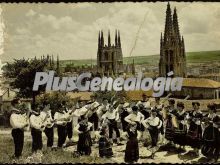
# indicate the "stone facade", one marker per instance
pixel 109 57
pixel 172 48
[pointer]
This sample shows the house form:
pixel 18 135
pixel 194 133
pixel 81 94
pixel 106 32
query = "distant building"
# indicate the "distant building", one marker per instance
pixel 109 57
pixel 199 88
pixel 172 48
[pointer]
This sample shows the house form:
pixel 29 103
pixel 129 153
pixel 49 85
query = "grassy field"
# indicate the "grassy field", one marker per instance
pixel 192 57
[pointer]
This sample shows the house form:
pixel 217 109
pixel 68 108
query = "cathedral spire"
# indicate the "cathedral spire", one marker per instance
pixel 116 38
pixel 168 23
pixel 99 40
pixel 176 24
pixel 119 39
pixel 102 39
pixel 109 38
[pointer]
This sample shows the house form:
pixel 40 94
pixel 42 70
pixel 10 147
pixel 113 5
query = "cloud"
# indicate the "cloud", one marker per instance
pixel 71 30
pixel 30 13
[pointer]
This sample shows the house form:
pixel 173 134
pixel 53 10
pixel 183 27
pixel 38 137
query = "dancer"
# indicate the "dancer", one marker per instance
pixel 181 130
pixel 210 140
pixel 85 142
pixel 105 146
pixel 194 134
pixel 112 117
pixel 132 148
pixel 153 124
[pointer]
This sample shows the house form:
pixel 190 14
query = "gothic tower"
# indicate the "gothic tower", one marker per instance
pixel 172 48
pixel 109 57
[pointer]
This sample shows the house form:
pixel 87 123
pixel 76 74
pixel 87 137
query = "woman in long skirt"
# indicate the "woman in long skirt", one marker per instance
pixel 132 149
pixel 105 147
pixel 85 142
pixel 194 134
pixel 210 141
pixel 180 132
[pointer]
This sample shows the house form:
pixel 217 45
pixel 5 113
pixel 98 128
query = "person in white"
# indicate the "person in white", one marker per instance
pixel 49 129
pixel 18 122
pixel 153 124
pixel 136 117
pixel 38 124
pixel 111 117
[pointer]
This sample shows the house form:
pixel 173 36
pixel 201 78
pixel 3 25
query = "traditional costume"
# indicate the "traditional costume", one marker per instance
pixel 37 126
pixel 18 121
pixel 49 131
pixel 60 117
pixel 181 129
pixel 169 128
pixel 85 142
pixel 210 140
pixel 194 134
pixel 112 116
pixel 105 147
pixel 132 148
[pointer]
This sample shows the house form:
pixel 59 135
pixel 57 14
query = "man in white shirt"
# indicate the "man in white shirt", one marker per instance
pixel 17 127
pixel 38 123
pixel 153 125
pixel 61 121
pixel 49 130
pixel 135 117
pixel 112 117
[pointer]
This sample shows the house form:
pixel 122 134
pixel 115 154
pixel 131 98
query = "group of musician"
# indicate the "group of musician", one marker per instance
pixel 107 122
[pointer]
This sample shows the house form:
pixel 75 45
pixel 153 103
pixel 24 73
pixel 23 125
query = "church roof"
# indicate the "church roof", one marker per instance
pixel 200 83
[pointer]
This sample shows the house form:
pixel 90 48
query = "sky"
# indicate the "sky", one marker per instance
pixel 71 30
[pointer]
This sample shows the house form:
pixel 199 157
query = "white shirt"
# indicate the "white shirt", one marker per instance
pixel 59 117
pixel 147 104
pixel 111 115
pixel 18 120
pixel 36 121
pixel 134 117
pixel 152 121
pixel 49 119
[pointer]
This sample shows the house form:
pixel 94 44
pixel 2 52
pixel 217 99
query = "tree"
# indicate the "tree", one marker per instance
pixel 55 99
pixel 23 71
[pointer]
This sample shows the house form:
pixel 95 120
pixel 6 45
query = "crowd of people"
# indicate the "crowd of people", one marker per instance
pixel 107 120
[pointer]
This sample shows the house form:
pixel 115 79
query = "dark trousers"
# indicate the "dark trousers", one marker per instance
pixel 50 136
pixel 113 126
pixel 69 129
pixel 18 137
pixel 95 120
pixel 61 135
pixel 37 143
pixel 154 135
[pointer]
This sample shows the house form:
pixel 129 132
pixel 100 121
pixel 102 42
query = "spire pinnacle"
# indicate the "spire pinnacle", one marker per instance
pixel 116 38
pixel 109 38
pixel 119 39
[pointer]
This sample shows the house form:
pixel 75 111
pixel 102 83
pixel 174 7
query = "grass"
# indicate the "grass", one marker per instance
pixel 191 57
pixel 58 156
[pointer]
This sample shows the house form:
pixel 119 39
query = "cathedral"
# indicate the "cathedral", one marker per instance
pixel 172 48
pixel 109 57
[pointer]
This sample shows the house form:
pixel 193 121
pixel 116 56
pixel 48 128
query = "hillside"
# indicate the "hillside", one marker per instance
pixel 192 57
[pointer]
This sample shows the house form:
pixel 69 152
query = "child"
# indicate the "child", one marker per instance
pixel 105 147
pixel 85 142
